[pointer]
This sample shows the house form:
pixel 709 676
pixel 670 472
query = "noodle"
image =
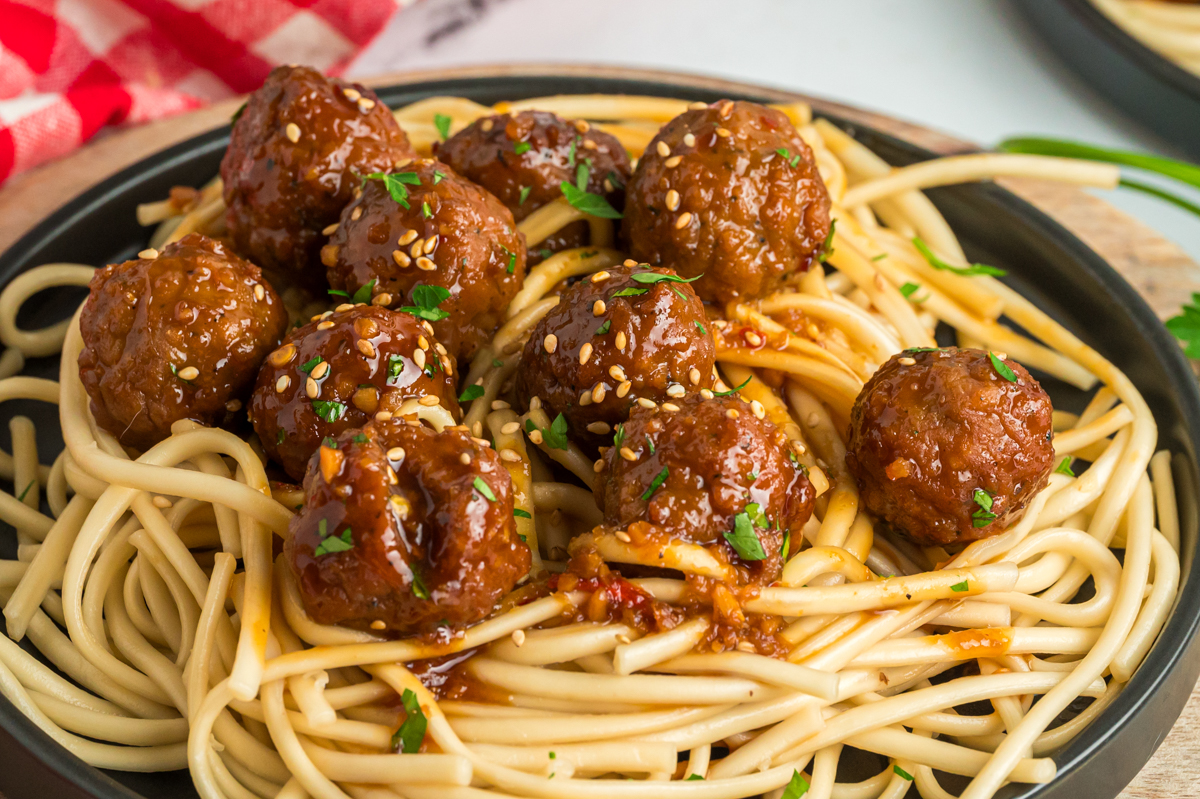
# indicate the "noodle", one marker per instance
pixel 187 644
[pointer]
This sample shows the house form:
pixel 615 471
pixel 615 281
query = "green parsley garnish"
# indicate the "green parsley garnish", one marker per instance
pixel 279 437
pixel 1002 369
pixel 442 123
pixel 880 257
pixel 484 489
pixel 438 177
pixel 650 444
pixel 411 734
pixel 363 295
pixel 571 152
pixel 693 777
pixel 1064 466
pixel 418 586
pixel 238 113
pixel 592 204
pixel 395 366
pixel 175 371
pixel 426 211
pixel 581 175
pixel 745 383
pixel 512 259
pixel 965 271
pixel 522 147
pixel 360 439
pixel 793 160
pixel 983 516
pixel 522 514
pixel 328 410
pixel 497 363
pixel 555 436
pixel 958 588
pixel 604 328
pixel 908 289
pixel 786 547
pixel 628 291
pixel 25 493
pixel 329 442
pixel 797 787
pixel 923 349
pixel 427 299
pixel 396 184
pixel 827 247
pixel 545 253
pixel 553 756
pixel 615 180
pixel 524 194
pixel 700 327
pixel 471 393
pixel 658 277
pixel 902 773
pixel 619 436
pixel 1186 327
pixel 658 480
pixel 743 538
pixel 308 366
pixel 332 543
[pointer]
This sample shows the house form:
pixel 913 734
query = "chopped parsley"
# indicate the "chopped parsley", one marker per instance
pixel 909 289
pixel 438 177
pixel 522 514
pixel 442 123
pixel 743 538
pixel 395 366
pixel 657 482
pixel 238 113
pixel 581 175
pixel 427 299
pixel 902 773
pixel 484 489
pixel 363 295
pixel 522 147
pixel 497 363
pixel 745 383
pixel 411 734
pixel 332 543
pixel 571 152
pixel 555 436
pixel 418 586
pixel 396 184
pixel 615 180
pixel 879 257
pixel 592 204
pixel 426 211
pixel 965 271
pixel 1002 369
pixel 308 366
pixel 545 253
pixel 1064 466
pixel 658 277
pixel 512 259
pixel 628 291
pixel 786 546
pixel 796 787
pixel 1186 327
pixel 827 247
pixel 619 436
pixel 25 493
pixel 983 516
pixel 524 194
pixel 650 444
pixel 471 393
pixel 329 442
pixel 693 777
pixel 360 439
pixel 604 328
pixel 700 327
pixel 329 410
pixel 958 588
pixel 793 160
pixel 280 436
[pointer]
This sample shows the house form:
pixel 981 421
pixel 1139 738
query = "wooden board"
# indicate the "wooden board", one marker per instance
pixel 1162 272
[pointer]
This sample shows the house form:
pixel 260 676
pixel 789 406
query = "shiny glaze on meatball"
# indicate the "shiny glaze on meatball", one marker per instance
pixel 178 336
pixel 650 340
pixel 932 429
pixel 405 529
pixel 294 161
pixel 452 234
pixel 730 192
pixel 338 371
pixel 696 468
pixel 523 159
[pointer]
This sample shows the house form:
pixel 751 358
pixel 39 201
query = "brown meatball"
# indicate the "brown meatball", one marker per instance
pixel 651 343
pixel 397 529
pixel 736 198
pixel 437 230
pixel 948 449
pixel 697 469
pixel 294 161
pixel 524 158
pixel 177 336
pixel 360 360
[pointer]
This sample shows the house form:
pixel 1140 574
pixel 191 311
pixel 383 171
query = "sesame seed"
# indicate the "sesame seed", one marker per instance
pixel 907 361
pixel 422 342
pixel 683 220
pixel 366 347
pixel 689 139
pixel 616 372
pixel 510 428
pixel 292 131
pixel 585 398
pixel 402 260
pixel 585 353
pixel 694 375
pixel 395 454
pixel 366 104
pixel 598 308
pixel 628 454
pixel 813 419
pixel 378 624
pixel 588 144
pixel 598 466
pixel 486 125
pixel 415 250
pixel 676 391
pixel 356 214
pixel 753 339
pixel 418 357
pixel 663 149
pixel 724 133
pixel 392 478
pixel 726 108
pixel 482 442
pixel 329 254
pixel 535 403
pixel 647 403
pixel 329 230
pixel 352 94
pixel 430 244
pixel 311 388
pixel 149 254
pixel 282 383
pixel 260 293
pixel 465 459
pixel 550 342
pixel 623 639
pixel 425 264
pixel 518 637
pixel 600 276
pixel 407 239
pixel 672 200
pixel 345 306
pixel 697 106
pixel 476 429
pixel 511 455
pixel 282 355
pixel 535 436
pixel 325 325
pixel 620 340
pixel 582 125
pixel 673 161
pixel 428 401
pixel 670 407
pixel 629 262
pixel 732 413
pixel 759 410
pixel 500 405
pixel 161 502
pixel 428 327
pixel 747 646
pixel 383 416
pixel 320 369
pixel 189 373
pixel 706 393
pixel 598 392
pixel 441 350
pixel 599 428
pixel 382 299
pixel 623 389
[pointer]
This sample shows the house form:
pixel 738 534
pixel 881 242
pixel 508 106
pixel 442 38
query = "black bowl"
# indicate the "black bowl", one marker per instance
pixel 1044 261
pixel 1139 80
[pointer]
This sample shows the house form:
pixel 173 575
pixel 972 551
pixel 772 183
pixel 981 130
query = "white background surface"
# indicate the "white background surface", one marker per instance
pixel 969 67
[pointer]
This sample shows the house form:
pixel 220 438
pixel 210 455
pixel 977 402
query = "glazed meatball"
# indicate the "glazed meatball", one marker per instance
pixel 424 225
pixel 524 158
pixel 339 371
pixel 696 469
pixel 646 337
pixel 947 446
pixel 176 336
pixel 405 529
pixel 294 161
pixel 730 192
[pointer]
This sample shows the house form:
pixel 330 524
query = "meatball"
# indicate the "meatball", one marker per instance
pixel 405 529
pixel 709 472
pixel 729 192
pixel 179 335
pixel 427 226
pixel 340 370
pixel 294 161
pixel 949 445
pixel 646 337
pixel 524 158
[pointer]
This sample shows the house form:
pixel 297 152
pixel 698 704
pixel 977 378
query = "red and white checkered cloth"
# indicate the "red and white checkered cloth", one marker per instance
pixel 70 67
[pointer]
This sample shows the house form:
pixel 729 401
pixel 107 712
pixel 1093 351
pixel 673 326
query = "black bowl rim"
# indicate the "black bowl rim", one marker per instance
pixel 1163 667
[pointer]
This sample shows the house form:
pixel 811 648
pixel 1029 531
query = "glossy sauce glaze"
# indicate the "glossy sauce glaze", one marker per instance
pixel 452 234
pixel 432 544
pixel 298 149
pixel 715 195
pixel 645 334
pixel 338 371
pixel 932 428
pixel 177 336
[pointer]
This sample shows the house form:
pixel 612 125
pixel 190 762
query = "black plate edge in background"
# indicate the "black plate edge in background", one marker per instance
pixel 1096 764
pixel 1147 86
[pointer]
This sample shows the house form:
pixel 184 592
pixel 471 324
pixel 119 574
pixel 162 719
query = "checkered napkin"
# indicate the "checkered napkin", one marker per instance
pixel 70 67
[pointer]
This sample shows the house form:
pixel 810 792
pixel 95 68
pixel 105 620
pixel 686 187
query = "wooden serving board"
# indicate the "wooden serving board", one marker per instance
pixel 1161 271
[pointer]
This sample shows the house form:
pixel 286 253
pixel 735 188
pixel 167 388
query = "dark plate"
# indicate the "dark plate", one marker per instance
pixel 1048 264
pixel 1144 84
